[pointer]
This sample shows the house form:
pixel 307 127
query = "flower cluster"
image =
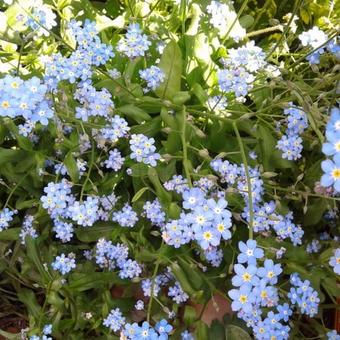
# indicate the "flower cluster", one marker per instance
pixel 316 39
pixel 240 69
pixel 145 331
pixel 313 247
pixel 249 56
pixel 205 220
pixel 42 19
pixel 153 76
pixel 290 144
pixel 95 103
pixel 6 217
pixel 117 322
pixel 143 149
pixel 112 256
pixel 236 80
pixel 153 212
pixel 89 52
pixel 331 167
pixel 221 19
pixel 47 330
pixel 177 183
pixel 334 261
pixel 153 287
pixel 135 43
pixel 125 217
pixel 27 229
pixel 264 215
pixel 64 264
pixel 24 98
pixel 303 295
pixel 115 160
pixel 255 290
pixel 61 204
pixel 218 105
pixel 333 335
pixel 117 128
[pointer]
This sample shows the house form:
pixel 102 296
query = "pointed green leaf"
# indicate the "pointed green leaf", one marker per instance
pixel 171 64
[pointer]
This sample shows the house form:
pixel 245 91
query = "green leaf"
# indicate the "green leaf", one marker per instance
pixel 33 255
pixel 216 330
pixel 161 192
pixel 98 230
pixel 134 113
pixel 171 65
pixel 28 297
pixel 202 332
pixel 11 234
pixel 233 332
pixel 315 211
pixel 139 170
pixel 71 166
pixel 189 315
pixel 331 286
pixel 246 21
pixel 84 281
pixel 139 194
pixel 11 155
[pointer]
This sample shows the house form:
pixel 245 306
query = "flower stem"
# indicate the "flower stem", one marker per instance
pixel 250 196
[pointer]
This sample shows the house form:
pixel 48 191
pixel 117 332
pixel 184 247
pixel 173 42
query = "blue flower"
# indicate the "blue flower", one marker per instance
pixel 334 261
pixel 242 299
pixel 134 44
pixel 270 271
pixel 177 293
pixel 115 160
pixel 143 149
pixel 332 146
pixel 222 225
pixel 47 330
pixel 6 216
pixel 284 311
pixel 334 120
pixel 131 330
pixel 114 320
pixel 245 276
pixel 163 327
pixel 153 76
pixel 331 175
pixel 333 335
pixel 186 335
pixel 125 217
pixel 64 264
pixel 192 198
pixel 249 252
pixel 207 237
pixel 146 332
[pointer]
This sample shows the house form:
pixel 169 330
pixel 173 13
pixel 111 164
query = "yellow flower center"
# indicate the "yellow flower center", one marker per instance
pixel 207 235
pixel 220 227
pixel 270 274
pixel 264 294
pixel 5 104
pixel 336 173
pixel 243 299
pixel 246 277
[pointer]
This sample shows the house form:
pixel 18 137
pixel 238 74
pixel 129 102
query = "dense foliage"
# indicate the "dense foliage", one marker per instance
pixel 157 156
